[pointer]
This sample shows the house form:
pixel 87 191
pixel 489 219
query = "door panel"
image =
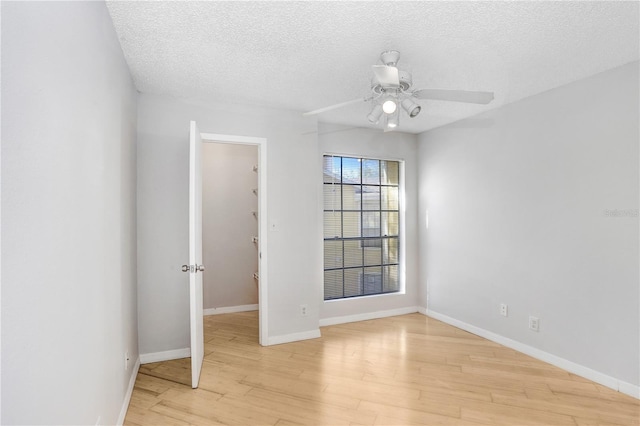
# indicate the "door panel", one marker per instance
pixel 195 253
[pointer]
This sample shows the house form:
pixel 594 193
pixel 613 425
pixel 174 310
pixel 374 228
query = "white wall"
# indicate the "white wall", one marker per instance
pixel 68 215
pixel 294 259
pixel 228 224
pixel 336 139
pixel 517 215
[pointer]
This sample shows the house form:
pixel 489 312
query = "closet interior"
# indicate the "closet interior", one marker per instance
pixel 230 218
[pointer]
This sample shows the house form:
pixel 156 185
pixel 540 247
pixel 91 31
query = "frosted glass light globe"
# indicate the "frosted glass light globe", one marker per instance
pixel 389 107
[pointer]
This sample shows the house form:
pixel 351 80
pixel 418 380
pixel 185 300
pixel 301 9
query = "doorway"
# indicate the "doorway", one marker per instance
pixel 255 218
pixel 230 214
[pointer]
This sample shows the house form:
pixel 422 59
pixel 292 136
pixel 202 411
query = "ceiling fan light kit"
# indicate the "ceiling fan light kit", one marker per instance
pixel 392 120
pixel 411 107
pixel 389 106
pixel 391 86
pixel 375 114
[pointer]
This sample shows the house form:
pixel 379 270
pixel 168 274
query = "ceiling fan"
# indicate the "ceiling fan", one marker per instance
pixel 393 88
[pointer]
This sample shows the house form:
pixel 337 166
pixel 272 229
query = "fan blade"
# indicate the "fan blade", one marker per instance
pixel 387 76
pixel 454 95
pixel 336 106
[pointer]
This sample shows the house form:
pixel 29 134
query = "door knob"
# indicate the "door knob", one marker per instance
pixel 185 268
pixel 200 268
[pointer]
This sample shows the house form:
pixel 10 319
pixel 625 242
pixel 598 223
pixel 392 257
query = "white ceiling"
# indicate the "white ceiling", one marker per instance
pixel 306 55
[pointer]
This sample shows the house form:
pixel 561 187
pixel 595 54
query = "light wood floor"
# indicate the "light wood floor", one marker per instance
pixel 405 370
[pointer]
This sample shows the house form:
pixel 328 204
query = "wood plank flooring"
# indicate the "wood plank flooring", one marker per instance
pixel 405 370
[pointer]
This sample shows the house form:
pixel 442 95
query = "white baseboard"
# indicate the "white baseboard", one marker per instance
pixel 367 316
pixel 165 356
pixel 293 337
pixel 230 309
pixel 572 367
pixel 127 396
pixel 629 389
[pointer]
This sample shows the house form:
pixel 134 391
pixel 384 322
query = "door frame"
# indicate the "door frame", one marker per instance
pixel 261 143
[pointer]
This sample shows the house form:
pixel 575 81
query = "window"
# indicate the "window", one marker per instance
pixel 361 226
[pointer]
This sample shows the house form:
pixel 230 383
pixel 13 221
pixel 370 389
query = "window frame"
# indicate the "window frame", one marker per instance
pixel 401 236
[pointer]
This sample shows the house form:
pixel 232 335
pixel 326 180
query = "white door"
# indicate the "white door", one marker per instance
pixel 196 269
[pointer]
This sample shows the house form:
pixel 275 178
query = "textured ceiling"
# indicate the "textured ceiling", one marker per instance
pixel 306 55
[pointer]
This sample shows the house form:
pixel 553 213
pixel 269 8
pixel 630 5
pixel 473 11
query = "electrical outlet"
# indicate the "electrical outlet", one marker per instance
pixel 504 309
pixel 303 310
pixel 126 360
pixel 534 323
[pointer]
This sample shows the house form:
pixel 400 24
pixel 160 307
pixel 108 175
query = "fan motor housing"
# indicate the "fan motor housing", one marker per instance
pixel 405 83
